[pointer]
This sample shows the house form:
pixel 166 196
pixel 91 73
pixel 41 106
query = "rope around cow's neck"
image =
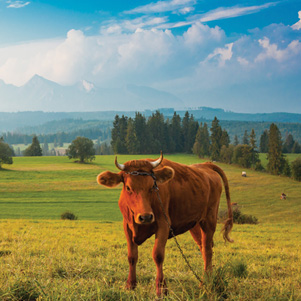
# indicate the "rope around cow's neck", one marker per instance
pixel 156 188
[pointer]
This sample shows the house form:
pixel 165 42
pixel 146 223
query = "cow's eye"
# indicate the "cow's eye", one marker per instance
pixel 127 188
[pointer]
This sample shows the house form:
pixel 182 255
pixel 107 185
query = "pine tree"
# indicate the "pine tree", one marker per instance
pixel 142 134
pixel 185 132
pixel 225 139
pixel 288 144
pixel 201 146
pixel 131 139
pixel 275 156
pixel 176 132
pixel 216 134
pixel 34 149
pixel 118 134
pixel 255 155
pixel 157 131
pixel 245 139
pixel 236 142
pixel 264 142
pixel 296 148
pixel 192 130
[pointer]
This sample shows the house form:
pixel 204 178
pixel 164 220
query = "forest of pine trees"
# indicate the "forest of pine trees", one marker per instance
pixel 185 135
pixel 140 136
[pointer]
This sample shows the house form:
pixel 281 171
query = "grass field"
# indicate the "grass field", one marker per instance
pixel 289 157
pixel 42 257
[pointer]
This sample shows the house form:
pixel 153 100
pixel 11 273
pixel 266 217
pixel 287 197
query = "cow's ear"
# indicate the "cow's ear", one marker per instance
pixel 109 179
pixel 164 174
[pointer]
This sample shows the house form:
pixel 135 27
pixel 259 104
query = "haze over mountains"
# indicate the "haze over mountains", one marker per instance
pixel 40 94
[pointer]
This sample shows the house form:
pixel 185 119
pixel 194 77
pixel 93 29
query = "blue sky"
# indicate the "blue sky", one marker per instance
pixel 243 56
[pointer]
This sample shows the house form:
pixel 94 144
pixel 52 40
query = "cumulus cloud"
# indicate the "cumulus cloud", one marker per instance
pixel 187 64
pixel 297 26
pixel 222 54
pixel 17 4
pixel 200 35
pixel 271 51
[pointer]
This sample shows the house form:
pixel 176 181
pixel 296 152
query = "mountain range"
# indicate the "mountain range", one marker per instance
pixel 40 94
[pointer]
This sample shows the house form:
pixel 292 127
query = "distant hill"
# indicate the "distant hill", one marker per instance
pixel 41 123
pixel 21 121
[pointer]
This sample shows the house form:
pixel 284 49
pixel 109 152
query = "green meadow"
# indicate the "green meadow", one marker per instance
pixel 45 258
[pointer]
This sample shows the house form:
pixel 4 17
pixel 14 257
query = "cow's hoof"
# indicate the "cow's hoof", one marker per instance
pixel 161 289
pixel 131 285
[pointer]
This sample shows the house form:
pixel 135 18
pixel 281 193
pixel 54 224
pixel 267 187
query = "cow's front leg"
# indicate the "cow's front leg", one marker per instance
pixel 132 258
pixel 158 256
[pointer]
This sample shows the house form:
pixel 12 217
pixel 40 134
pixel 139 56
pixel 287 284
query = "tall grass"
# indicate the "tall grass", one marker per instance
pixel 45 258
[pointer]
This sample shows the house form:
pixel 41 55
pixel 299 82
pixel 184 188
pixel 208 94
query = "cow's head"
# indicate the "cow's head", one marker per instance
pixel 138 181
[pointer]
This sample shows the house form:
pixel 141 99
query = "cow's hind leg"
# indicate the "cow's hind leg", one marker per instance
pixel 197 235
pixel 207 229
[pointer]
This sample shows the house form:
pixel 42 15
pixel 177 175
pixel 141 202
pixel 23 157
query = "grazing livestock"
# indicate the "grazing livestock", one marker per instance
pixel 189 196
pixel 283 196
pixel 243 174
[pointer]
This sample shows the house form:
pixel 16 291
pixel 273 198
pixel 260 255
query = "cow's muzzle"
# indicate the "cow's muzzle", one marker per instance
pixel 146 218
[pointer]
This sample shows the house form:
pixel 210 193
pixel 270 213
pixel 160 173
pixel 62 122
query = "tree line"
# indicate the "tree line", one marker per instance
pixel 177 135
pixel 144 136
pixel 58 138
pixel 139 135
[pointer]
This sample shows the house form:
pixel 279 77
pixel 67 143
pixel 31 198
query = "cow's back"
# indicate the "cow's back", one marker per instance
pixel 193 191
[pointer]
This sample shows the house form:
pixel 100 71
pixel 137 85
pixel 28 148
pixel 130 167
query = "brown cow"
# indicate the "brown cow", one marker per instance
pixel 190 197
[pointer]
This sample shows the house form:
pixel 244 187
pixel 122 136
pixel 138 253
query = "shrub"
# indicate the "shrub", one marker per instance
pixel 68 215
pixel 258 166
pixel 241 218
pixel 238 217
pixel 296 169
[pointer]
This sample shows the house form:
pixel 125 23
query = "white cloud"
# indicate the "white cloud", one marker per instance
pixel 87 86
pixel 243 61
pixel 186 10
pixel 163 6
pixel 132 25
pixel 222 54
pixel 297 25
pixel 271 51
pixel 199 34
pixel 157 58
pixel 17 4
pixel 231 12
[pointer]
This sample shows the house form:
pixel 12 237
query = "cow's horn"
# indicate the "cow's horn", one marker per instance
pixel 157 162
pixel 119 166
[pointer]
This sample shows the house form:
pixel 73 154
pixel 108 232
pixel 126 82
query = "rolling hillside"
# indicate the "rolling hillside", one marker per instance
pixel 42 257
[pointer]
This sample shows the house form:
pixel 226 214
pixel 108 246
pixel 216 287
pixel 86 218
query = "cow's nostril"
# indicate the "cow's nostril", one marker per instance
pixel 147 218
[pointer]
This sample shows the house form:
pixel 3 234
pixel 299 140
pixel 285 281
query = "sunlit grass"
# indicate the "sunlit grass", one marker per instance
pixel 87 259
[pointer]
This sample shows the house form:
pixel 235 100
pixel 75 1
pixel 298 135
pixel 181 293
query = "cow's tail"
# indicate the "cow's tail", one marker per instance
pixel 229 222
